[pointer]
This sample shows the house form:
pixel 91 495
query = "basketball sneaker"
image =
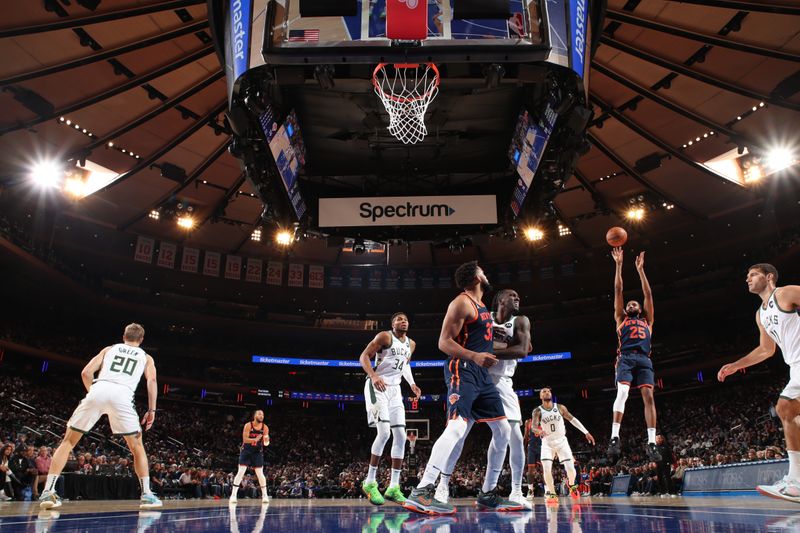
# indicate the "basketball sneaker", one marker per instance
pixel 614 449
pixel 574 493
pixel 652 452
pixel 149 501
pixel 49 500
pixel 784 489
pixel 551 498
pixel 422 500
pixel 372 492
pixel 374 522
pixel 516 496
pixel 442 493
pixel 491 501
pixel 394 494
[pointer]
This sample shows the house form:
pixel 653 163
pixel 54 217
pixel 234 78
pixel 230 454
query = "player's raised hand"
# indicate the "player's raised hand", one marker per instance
pixel 640 262
pixel 148 419
pixel 378 383
pixel 485 359
pixel 417 392
pixel 590 438
pixel 725 371
pixel 616 253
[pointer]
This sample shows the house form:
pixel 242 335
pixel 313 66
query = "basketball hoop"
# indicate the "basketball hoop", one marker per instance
pixel 406 90
pixel 412 441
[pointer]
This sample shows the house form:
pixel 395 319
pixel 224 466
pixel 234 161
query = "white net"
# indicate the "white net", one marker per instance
pixel 406 91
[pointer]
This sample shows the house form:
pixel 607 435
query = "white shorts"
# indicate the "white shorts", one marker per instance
pixel 110 399
pixel 792 390
pixel 386 406
pixel 505 387
pixel 556 448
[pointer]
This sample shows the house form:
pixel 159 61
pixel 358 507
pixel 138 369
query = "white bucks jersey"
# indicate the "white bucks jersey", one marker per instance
pixel 123 365
pixel 552 423
pixel 390 361
pixel 783 327
pixel 504 332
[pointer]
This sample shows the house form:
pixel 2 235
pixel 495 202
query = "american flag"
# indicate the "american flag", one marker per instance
pixel 303 36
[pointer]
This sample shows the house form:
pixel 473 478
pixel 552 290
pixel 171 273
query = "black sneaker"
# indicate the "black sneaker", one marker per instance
pixel 421 500
pixel 653 453
pixel 614 449
pixel 490 501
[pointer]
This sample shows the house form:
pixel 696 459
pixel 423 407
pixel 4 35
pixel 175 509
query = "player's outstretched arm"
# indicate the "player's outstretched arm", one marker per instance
pixel 575 422
pixel 619 305
pixel 765 350
pixel 91 368
pixel 522 341
pixel 457 312
pixel 648 293
pixel 408 375
pixel 152 393
pixel 380 341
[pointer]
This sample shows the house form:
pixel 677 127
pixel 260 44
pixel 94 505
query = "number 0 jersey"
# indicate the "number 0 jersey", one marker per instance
pixel 123 365
pixel 552 423
pixel 390 361
pixel 783 327
pixel 633 337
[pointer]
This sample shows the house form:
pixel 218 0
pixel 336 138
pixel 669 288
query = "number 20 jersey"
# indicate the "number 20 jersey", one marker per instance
pixel 390 361
pixel 123 365
pixel 634 337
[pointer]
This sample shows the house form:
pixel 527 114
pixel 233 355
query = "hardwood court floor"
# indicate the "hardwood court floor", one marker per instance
pixel 615 515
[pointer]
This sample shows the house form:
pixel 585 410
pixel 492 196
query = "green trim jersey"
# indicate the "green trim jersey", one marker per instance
pixel 503 332
pixel 390 361
pixel 552 423
pixel 123 365
pixel 783 327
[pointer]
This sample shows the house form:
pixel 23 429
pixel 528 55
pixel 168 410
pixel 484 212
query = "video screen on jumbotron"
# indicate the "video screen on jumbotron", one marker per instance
pixel 289 153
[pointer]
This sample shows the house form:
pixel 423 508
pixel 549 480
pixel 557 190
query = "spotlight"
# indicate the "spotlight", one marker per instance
pixel 533 234
pixel 110 144
pixel 47 174
pixel 186 222
pixel 155 214
pixel 779 158
pixel 563 231
pixel 283 237
pixel 256 235
pixel 635 213
pixel 68 122
pixel 75 188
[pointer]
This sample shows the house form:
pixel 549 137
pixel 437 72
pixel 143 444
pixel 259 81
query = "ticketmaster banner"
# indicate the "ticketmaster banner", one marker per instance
pixel 350 363
pixel 407 211
pixel 736 477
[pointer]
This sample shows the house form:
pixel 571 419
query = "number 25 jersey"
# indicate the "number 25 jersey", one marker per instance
pixel 633 337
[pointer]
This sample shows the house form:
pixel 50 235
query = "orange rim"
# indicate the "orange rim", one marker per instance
pixel 401 100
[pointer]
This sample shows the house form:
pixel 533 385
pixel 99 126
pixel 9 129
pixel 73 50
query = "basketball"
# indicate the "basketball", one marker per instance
pixel 616 236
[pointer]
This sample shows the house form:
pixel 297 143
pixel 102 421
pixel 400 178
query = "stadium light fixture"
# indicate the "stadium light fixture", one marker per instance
pixel 47 174
pixel 283 237
pixel 779 158
pixel 256 235
pixel 533 234
pixel 635 213
pixel 186 222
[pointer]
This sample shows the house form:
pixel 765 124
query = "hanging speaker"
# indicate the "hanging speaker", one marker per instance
pixel 328 8
pixel 481 9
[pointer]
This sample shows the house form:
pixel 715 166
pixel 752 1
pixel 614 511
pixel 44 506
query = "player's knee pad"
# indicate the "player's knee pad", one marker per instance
pixel 622 397
pixel 381 438
pixel 398 442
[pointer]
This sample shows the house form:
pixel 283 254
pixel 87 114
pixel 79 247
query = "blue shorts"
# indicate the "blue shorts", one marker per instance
pixel 471 393
pixel 635 370
pixel 251 456
pixel 534 450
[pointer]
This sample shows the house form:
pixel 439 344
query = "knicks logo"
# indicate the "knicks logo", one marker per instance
pixel 412 4
pixel 453 398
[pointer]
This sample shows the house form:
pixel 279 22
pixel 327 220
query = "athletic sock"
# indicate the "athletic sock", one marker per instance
pixel 145 482
pixel 615 430
pixel 444 480
pixel 51 482
pixel 395 480
pixel 373 471
pixel 651 435
pixel 794 465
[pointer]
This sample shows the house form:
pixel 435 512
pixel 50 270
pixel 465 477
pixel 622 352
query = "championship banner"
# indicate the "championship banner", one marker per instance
pixel 427 280
pixel 407 211
pixel 275 273
pixel 190 260
pixel 253 272
pixel 356 279
pixel 316 277
pixel 335 277
pixel 166 254
pixel 144 249
pixel 375 281
pixel 233 267
pixel 211 264
pixel 295 275
pixel 410 279
pixel 445 279
pixel 392 280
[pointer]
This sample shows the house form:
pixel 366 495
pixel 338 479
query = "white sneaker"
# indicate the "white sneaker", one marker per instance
pixel 265 498
pixel 233 498
pixel 784 489
pixel 3 497
pixel 442 493
pixel 516 496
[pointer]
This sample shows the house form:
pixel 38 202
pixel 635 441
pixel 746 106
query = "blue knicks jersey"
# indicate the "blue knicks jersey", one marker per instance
pixel 634 336
pixel 477 333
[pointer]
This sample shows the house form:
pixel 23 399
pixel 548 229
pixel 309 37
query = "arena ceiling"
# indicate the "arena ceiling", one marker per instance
pixel 136 87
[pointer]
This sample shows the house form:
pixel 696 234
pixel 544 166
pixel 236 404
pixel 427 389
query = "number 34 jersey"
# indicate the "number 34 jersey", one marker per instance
pixel 391 360
pixel 123 365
